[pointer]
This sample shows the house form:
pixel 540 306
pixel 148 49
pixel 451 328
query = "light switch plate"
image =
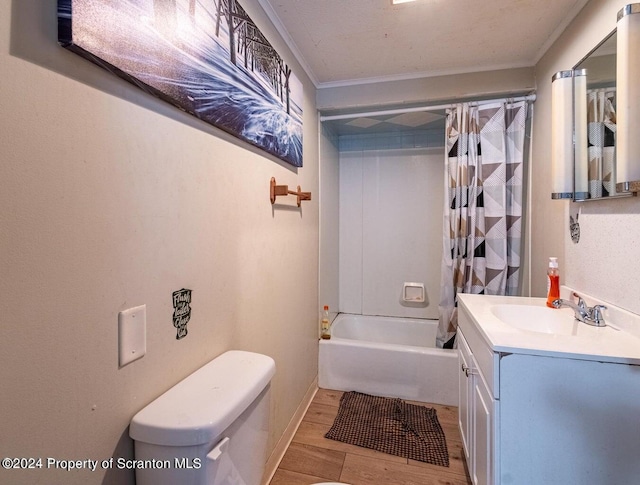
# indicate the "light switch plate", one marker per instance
pixel 132 334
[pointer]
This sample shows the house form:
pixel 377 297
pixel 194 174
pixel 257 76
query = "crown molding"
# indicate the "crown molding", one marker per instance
pixel 422 75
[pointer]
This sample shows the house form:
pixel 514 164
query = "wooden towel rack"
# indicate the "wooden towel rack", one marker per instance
pixel 276 190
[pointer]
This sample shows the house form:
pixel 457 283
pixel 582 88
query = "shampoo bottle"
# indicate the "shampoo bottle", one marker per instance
pixel 553 282
pixel 325 324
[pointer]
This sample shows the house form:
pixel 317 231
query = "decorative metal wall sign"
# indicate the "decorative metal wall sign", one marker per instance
pixel 181 311
pixel 207 57
pixel 574 228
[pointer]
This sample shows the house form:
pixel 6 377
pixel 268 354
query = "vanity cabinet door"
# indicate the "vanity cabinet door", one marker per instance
pixel 466 385
pixel 483 437
pixel 476 416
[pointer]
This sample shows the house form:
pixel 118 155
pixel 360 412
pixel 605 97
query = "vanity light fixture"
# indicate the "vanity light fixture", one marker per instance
pixel 562 156
pixel 628 99
pixel 580 136
pixel 569 169
pixel 396 2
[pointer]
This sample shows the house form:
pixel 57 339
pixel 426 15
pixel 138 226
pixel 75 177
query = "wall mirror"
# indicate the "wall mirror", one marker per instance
pixel 595 123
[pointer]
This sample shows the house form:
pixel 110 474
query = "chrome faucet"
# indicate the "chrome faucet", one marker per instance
pixel 590 316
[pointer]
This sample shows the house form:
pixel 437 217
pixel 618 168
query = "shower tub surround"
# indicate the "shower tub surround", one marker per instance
pixel 388 356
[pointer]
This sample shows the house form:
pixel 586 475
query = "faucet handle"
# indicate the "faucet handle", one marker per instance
pixel 596 315
pixel 581 304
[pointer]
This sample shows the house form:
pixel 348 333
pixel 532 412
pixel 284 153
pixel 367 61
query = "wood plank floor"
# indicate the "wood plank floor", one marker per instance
pixel 312 458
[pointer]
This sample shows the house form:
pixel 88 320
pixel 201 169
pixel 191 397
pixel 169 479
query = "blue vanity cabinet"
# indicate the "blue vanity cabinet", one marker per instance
pixel 536 416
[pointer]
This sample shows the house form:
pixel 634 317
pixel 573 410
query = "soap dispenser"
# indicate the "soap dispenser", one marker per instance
pixel 553 282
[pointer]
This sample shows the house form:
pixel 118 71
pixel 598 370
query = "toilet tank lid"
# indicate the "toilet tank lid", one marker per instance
pixel 199 408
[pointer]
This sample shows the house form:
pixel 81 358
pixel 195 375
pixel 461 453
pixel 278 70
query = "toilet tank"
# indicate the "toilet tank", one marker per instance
pixel 211 428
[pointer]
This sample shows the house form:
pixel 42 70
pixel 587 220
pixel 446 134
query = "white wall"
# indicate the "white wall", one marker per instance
pixel 390 229
pixel 110 198
pixel 329 220
pixel 602 264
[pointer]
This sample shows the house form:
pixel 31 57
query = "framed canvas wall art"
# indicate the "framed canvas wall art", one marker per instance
pixel 206 57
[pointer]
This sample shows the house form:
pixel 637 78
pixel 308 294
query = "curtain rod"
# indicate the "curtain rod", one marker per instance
pixel 530 97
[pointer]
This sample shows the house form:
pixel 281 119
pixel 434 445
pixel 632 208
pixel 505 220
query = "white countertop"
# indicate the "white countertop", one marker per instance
pixel 618 342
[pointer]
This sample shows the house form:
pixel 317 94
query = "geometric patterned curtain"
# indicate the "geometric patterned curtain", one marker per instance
pixel 482 222
pixel 601 131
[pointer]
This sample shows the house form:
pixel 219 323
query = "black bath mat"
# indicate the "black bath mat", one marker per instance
pixel 391 426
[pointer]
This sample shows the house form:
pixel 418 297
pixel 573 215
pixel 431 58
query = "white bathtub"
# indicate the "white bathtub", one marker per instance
pixel 385 356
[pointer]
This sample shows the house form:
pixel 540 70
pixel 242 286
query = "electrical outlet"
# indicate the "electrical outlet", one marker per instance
pixel 132 334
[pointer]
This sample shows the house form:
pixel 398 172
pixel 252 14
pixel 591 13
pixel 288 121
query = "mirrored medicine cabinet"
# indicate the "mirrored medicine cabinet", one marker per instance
pixel 595 118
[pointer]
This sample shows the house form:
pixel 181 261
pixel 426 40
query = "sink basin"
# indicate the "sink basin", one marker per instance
pixel 525 325
pixel 538 318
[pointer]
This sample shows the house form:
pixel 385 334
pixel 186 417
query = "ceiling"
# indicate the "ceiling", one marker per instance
pixel 342 42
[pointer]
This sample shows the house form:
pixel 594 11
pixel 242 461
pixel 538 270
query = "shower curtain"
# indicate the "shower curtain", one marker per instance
pixel 601 130
pixel 483 205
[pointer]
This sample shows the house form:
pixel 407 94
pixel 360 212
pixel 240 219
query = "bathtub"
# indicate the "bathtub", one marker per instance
pixel 387 356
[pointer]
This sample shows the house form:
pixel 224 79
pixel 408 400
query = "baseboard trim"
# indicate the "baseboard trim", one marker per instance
pixel 285 440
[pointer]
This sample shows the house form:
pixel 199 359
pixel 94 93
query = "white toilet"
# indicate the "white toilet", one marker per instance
pixel 209 429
